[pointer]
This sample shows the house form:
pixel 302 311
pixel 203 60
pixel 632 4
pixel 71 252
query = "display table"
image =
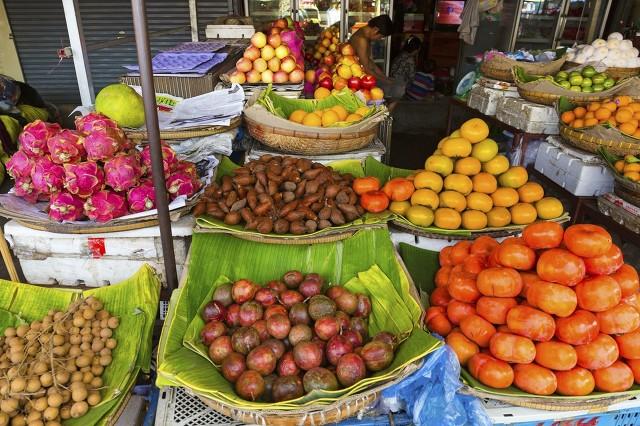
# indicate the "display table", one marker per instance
pixel 521 138
pixel 587 212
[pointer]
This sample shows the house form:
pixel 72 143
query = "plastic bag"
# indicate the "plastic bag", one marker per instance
pixel 430 394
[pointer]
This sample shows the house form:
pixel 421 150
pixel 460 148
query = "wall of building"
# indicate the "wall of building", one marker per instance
pixel 9 63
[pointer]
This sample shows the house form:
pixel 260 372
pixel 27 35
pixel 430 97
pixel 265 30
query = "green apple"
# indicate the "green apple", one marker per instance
pixel 588 71
pixel 597 87
pixel 599 78
pixel 575 80
pixel 576 89
pixel 609 83
pixel 562 75
pixel 574 73
pixel 587 82
pixel 587 89
pixel 565 84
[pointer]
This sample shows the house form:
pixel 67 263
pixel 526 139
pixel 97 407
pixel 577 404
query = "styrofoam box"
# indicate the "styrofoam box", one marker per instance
pixel 229 31
pixel 432 244
pixel 579 173
pixel 375 149
pixel 485 99
pixel 94 260
pixel 528 116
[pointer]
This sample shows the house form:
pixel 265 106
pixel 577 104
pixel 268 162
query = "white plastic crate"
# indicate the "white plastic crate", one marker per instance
pixel 375 149
pixel 94 260
pixel 527 116
pixel 176 407
pixel 582 174
pixel 229 31
pixel 485 99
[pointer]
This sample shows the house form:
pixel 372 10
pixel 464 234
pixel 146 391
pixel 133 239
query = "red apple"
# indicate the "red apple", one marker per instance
pixel 354 83
pixel 259 40
pixel 326 83
pixel 267 76
pixel 275 30
pixel 237 77
pixel 274 40
pixel 260 65
pixel 296 76
pixel 367 82
pixel 288 64
pixel 252 53
pixel 253 76
pixel 324 75
pixel 274 64
pixel 244 65
pixel 329 60
pixel 280 77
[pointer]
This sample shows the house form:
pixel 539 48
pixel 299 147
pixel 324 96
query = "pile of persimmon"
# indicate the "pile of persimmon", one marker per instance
pixel 553 311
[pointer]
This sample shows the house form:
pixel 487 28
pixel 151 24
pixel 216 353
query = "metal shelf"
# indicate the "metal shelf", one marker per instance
pixel 533 40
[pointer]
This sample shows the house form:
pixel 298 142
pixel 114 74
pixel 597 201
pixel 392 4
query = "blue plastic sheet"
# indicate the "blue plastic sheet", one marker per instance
pixel 430 395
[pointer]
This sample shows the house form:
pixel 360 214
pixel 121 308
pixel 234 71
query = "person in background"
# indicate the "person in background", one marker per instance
pixel 376 29
pixel 403 67
pixel 333 13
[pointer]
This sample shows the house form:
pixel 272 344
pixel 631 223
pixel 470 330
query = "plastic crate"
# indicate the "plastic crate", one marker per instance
pixel 626 413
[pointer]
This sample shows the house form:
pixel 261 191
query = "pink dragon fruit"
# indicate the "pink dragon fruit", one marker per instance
pixel 20 165
pixel 66 147
pixel 34 136
pixel 94 121
pixel 47 177
pixel 180 183
pixel 142 197
pixel 65 206
pixel 103 144
pixel 105 205
pixel 189 168
pixel 169 159
pixel 123 171
pixel 24 188
pixel 83 179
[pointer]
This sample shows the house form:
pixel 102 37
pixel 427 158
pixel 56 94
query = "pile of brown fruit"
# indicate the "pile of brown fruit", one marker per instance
pixel 282 195
pixel 50 370
pixel 283 340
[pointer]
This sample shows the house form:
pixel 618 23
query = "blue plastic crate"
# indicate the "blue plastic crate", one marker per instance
pixel 398 420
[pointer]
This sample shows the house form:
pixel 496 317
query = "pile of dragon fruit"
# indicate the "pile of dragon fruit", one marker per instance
pixel 92 172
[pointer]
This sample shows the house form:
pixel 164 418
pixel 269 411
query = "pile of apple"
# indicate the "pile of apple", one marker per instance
pixel 267 60
pixel 326 47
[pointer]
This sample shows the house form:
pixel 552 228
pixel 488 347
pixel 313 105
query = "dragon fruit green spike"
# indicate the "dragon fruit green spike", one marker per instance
pixel 24 188
pixel 123 171
pixel 47 177
pixel 34 137
pixel 180 183
pixel 65 206
pixel 20 165
pixel 142 197
pixel 94 121
pixel 83 179
pixel 103 144
pixel 105 205
pixel 66 147
pixel 169 159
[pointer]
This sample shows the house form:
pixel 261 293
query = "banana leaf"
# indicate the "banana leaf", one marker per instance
pixel 524 77
pixel 134 301
pixel 354 167
pixel 564 105
pixel 365 262
pixel 415 258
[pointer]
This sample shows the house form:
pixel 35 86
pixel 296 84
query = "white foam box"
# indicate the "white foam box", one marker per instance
pixel 528 116
pixel 485 99
pixel 94 260
pixel 229 31
pixel 582 174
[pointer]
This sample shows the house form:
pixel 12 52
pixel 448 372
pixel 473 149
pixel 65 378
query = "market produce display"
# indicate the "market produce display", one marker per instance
pixel 52 368
pixel 629 167
pixel 613 52
pixel 586 80
pixel 122 104
pixel 275 57
pixel 465 184
pixel 282 195
pixel 288 338
pixel 621 113
pixel 553 311
pixel 326 48
pixel 328 117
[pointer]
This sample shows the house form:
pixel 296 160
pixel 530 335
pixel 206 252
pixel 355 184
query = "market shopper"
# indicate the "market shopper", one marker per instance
pixel 376 29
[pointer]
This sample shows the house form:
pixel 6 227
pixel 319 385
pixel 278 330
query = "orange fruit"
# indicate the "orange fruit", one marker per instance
pixel 611 106
pixel 589 115
pixel 312 120
pixel 635 106
pixel 636 115
pixel 329 118
pixel 636 134
pixel 321 93
pixel 594 106
pixel 297 116
pixel 498 217
pixel 341 111
pixel 580 112
pixel 505 197
pixel 590 122
pixel 623 115
pixel 530 192
pixel 474 130
pixel 474 219
pixel 628 128
pixel 351 118
pixel 623 100
pixel 603 113
pixel 612 122
pixel 567 117
pixel 523 214
pixel 484 182
pixel 577 123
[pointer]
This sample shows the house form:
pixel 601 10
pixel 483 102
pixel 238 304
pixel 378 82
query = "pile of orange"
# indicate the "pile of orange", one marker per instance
pixel 621 113
pixel 328 117
pixel 553 311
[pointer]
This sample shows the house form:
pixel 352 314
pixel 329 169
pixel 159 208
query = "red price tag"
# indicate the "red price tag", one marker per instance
pixel 96 247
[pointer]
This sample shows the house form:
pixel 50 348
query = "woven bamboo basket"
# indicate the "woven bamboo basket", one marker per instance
pixel 629 186
pixel 310 142
pixel 613 72
pixel 550 99
pixel 195 132
pixel 591 143
pixel 499 67
pixel 626 194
